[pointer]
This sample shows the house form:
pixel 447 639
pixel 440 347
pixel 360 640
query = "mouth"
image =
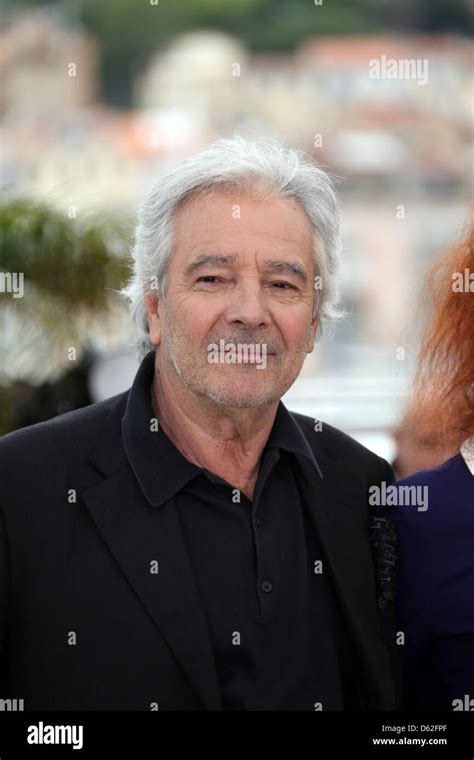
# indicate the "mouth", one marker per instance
pixel 251 358
pixel 248 354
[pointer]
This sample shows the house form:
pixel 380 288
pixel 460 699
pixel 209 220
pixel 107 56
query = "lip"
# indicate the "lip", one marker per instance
pixel 235 353
pixel 236 356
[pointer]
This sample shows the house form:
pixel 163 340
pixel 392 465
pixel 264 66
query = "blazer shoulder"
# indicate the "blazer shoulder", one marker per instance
pixel 338 446
pixel 78 426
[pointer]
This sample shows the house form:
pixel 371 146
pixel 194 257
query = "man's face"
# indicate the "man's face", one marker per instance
pixel 242 271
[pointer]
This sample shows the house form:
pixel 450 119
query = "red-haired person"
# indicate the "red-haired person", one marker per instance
pixel 434 509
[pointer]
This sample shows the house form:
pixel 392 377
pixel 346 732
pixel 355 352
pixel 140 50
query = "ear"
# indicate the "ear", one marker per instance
pixel 314 327
pixel 153 318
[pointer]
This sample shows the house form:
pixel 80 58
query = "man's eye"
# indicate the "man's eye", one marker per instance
pixel 210 278
pixel 283 285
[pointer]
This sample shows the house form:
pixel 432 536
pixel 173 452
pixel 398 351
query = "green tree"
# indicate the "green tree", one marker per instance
pixel 70 272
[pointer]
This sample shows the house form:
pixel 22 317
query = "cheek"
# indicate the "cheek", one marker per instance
pixel 193 318
pixel 295 331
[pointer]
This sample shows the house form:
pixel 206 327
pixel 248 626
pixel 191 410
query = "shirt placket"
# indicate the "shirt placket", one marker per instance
pixel 266 581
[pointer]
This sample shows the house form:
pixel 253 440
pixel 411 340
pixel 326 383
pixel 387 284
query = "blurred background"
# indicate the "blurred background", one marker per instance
pixel 98 98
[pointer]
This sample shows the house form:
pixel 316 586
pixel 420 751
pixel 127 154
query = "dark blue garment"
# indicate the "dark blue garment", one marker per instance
pixel 435 589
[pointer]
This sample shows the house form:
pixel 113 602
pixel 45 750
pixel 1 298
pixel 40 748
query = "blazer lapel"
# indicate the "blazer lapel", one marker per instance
pixel 345 541
pixel 137 534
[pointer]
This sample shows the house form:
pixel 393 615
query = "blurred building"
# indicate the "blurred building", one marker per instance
pixel 200 80
pixel 46 68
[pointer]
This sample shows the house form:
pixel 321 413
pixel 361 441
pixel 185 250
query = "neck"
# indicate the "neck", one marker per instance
pixel 227 441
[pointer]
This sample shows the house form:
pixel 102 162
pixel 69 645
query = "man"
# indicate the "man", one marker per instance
pixel 190 544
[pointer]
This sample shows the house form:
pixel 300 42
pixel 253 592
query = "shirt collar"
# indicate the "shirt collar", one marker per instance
pixel 467 452
pixel 160 468
pixel 287 435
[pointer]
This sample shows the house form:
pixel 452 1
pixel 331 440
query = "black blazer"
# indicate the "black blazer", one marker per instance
pixel 83 623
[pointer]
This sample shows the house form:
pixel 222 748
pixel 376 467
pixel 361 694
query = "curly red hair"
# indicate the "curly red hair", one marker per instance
pixel 440 414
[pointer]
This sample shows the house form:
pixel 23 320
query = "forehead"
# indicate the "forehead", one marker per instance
pixel 235 217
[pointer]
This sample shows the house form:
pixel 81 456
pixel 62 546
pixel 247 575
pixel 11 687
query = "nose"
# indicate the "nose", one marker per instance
pixel 247 305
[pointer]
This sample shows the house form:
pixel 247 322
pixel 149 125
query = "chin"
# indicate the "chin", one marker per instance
pixel 241 399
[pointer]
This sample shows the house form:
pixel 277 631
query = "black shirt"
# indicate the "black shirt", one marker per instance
pixel 275 627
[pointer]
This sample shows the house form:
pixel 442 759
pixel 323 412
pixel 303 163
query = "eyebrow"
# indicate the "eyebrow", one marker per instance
pixel 210 260
pixel 288 267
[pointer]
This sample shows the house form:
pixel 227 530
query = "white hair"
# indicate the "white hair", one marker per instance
pixel 263 167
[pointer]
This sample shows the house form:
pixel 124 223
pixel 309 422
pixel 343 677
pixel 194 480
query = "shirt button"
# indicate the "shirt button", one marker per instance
pixel 266 586
pixel 257 522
